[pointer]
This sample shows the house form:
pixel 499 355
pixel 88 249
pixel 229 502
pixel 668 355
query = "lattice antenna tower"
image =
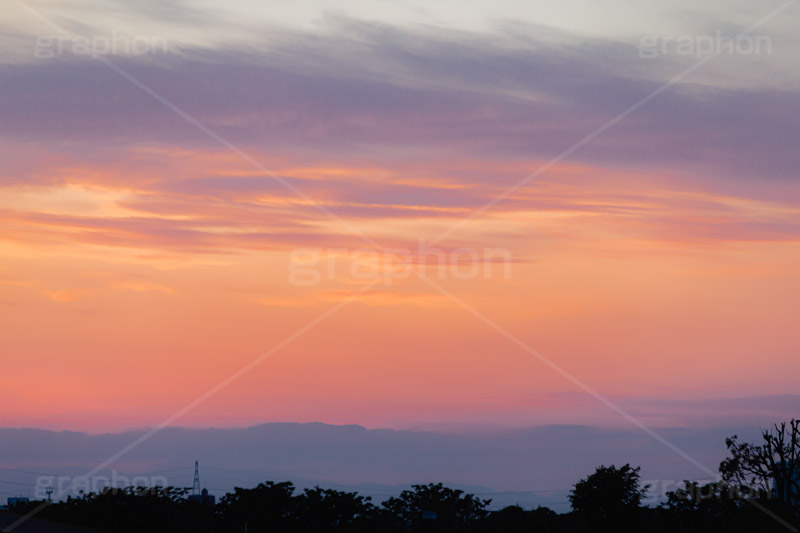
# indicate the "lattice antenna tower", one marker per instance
pixel 196 482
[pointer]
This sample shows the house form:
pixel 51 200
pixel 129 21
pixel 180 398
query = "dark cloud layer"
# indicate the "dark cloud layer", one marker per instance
pixel 367 87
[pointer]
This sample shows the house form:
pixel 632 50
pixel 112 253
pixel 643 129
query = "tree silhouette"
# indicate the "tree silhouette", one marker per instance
pixel 707 507
pixel 267 507
pixel 610 498
pixel 332 510
pixel 130 509
pixel 515 519
pixel 771 468
pixel 435 507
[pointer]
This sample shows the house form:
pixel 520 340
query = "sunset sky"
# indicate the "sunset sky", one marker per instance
pixel 170 213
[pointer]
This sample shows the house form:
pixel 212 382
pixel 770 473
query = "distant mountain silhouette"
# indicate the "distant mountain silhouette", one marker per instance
pixel 530 466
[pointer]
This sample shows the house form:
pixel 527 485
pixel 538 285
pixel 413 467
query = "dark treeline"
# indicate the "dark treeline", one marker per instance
pixel 758 491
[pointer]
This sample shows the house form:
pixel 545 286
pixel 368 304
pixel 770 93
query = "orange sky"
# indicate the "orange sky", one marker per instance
pixel 122 302
pixel 282 180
